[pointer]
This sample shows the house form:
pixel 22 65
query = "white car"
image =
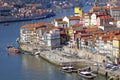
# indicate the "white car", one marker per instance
pixel 114 68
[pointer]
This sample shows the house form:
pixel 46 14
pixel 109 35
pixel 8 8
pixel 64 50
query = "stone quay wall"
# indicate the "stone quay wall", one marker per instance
pixel 74 57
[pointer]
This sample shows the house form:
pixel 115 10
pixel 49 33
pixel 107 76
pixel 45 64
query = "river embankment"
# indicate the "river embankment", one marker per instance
pixel 67 55
pixel 30 18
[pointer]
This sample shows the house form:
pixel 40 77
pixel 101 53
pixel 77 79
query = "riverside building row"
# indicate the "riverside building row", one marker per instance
pixel 96 31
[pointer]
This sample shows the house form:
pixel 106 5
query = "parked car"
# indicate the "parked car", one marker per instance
pixel 112 67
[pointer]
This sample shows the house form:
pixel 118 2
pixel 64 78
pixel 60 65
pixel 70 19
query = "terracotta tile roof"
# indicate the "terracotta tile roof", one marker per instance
pixel 40 24
pixel 34 25
pixel 117 32
pixel 77 25
pixel 98 34
pixel 106 7
pixel 74 17
pixel 107 38
pixel 118 37
pixel 62 22
pixel 116 8
pixel 113 32
pixel 27 26
pixel 90 38
pixel 80 31
pixel 91 29
pixel 109 34
pixel 83 17
pixel 58 19
pixel 105 17
pixel 82 35
pixel 115 20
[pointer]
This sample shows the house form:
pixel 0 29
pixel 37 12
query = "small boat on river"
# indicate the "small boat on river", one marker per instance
pixel 68 69
pixel 12 49
pixel 87 74
pixel 65 69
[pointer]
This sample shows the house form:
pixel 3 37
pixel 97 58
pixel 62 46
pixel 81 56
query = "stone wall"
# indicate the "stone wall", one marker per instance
pixel 85 54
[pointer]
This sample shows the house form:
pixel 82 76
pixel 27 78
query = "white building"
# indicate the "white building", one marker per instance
pixel 27 32
pixel 72 20
pixel 93 19
pixel 62 24
pixel 115 12
pixel 87 18
pixel 52 38
pixel 118 24
pixel 40 34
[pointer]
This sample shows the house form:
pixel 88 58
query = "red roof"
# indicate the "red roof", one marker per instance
pixel 91 29
pixel 106 7
pixel 74 17
pixel 34 25
pixel 116 8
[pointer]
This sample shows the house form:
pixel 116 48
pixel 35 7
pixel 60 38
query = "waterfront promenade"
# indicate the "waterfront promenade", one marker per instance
pixel 63 58
pixel 67 55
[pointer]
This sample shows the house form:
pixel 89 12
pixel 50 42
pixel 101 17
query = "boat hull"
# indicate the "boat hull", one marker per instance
pixel 88 76
pixel 11 49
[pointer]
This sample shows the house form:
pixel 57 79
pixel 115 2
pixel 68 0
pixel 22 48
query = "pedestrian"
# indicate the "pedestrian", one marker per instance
pixel 89 69
pixel 106 74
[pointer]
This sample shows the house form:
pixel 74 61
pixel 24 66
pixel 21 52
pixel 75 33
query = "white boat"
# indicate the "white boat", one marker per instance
pixel 87 74
pixel 65 69
pixel 68 69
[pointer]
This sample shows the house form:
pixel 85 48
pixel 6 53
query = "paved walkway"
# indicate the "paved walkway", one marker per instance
pixel 65 56
pixel 59 57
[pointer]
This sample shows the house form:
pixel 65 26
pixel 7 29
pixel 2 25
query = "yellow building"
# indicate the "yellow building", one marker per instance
pixel 116 48
pixel 78 11
pixel 69 31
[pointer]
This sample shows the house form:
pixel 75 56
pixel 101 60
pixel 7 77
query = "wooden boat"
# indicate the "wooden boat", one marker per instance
pixel 11 49
pixel 66 69
pixel 73 69
pixel 87 74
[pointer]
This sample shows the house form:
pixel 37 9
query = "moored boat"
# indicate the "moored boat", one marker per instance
pixel 73 69
pixel 68 69
pixel 65 69
pixel 11 49
pixel 87 74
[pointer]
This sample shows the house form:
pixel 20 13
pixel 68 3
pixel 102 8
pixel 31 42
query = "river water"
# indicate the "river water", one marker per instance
pixel 27 67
